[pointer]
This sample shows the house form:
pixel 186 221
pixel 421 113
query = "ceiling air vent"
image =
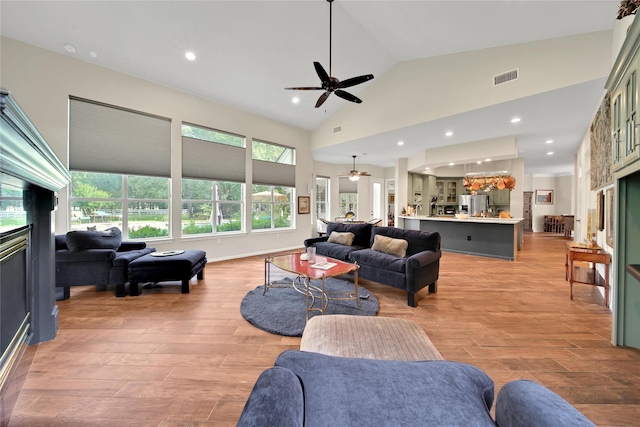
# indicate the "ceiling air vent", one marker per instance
pixel 337 129
pixel 505 77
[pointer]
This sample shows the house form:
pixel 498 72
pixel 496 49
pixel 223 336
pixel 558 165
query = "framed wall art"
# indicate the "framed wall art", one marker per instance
pixel 600 210
pixel 544 197
pixel 304 204
pixel 610 208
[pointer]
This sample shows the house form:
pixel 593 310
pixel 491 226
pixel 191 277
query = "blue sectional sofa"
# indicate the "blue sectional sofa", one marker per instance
pixel 383 256
pixel 313 389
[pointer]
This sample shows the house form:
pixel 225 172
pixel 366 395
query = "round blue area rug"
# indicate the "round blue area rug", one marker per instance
pixel 282 311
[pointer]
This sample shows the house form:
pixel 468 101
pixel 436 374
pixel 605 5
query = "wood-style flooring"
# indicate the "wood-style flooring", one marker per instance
pixel 169 359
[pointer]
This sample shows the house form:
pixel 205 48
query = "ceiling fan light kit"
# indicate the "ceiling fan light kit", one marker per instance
pixel 329 83
pixel 354 175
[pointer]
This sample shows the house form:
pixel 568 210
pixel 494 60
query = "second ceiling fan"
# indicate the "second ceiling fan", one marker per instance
pixel 354 174
pixel 331 84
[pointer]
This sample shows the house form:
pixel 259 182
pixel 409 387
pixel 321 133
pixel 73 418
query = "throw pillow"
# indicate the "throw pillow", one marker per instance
pixel 111 238
pixel 341 238
pixel 388 245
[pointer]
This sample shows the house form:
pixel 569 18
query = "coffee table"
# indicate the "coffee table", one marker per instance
pixel 305 273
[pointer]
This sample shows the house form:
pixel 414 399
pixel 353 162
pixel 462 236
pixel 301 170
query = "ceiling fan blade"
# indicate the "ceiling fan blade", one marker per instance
pixel 324 77
pixel 354 81
pixel 346 95
pixel 364 174
pixel 322 98
pixel 304 88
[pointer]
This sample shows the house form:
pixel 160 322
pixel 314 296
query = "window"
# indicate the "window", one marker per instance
pixel 274 153
pixel 121 167
pixel 348 204
pixel 322 200
pixel 12 213
pixel 271 207
pixel 212 135
pixel 98 201
pixel 348 196
pixel 210 205
pixel 274 176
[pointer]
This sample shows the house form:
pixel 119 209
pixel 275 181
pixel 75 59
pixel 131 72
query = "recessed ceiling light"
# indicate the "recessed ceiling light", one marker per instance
pixel 427 168
pixel 93 54
pixel 400 142
pixel 295 99
pixel 515 120
pixel 449 133
pixel 487 160
pixel 190 56
pixel 70 48
pixel 479 162
pixel 451 164
pixel 549 141
pixel 550 153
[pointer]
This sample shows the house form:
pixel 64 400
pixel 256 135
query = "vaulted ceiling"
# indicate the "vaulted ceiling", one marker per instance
pixel 247 52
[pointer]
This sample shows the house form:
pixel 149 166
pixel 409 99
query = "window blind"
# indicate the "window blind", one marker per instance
pixel 269 173
pixel 347 186
pixel 211 160
pixel 109 139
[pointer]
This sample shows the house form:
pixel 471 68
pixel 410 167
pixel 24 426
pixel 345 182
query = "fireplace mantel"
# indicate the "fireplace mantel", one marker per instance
pixel 28 313
pixel 25 155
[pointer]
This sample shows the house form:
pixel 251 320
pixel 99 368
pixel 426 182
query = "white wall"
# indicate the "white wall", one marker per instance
pixel 562 205
pixel 41 82
pixel 334 172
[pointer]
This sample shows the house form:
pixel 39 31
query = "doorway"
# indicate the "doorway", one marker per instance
pixel 377 206
pixel 526 211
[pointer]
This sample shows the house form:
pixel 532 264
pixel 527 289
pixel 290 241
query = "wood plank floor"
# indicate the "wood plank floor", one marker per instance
pixel 167 359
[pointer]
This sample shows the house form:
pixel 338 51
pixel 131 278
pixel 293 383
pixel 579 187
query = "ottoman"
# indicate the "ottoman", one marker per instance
pixel 367 337
pixel 181 266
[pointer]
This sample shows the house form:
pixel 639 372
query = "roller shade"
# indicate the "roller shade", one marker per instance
pixel 211 160
pixel 104 138
pixel 269 173
pixel 347 186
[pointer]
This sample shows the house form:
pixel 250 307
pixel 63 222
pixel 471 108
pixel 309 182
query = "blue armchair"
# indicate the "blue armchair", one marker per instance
pixel 98 258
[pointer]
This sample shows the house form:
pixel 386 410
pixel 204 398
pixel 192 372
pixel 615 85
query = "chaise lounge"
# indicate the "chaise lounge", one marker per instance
pixel 98 258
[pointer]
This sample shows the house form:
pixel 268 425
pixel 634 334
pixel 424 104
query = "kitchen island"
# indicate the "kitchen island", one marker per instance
pixel 490 237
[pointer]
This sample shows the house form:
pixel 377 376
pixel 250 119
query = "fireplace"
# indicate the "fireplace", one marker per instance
pixel 30 176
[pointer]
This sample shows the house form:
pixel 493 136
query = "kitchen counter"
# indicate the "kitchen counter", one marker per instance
pixel 491 237
pixel 469 219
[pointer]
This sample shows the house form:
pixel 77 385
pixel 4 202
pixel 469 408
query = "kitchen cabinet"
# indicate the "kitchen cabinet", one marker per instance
pixel 447 191
pixel 499 197
pixel 414 188
pixel 624 121
pixel 623 85
pixel 625 201
pixel 417 182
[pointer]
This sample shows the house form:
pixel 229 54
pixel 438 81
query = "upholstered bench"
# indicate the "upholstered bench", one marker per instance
pixel 150 268
pixel 367 337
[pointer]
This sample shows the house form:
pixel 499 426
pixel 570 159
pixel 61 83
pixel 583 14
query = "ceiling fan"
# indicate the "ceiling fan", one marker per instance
pixel 331 84
pixel 354 175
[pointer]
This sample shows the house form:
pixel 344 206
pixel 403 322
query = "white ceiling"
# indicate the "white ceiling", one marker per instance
pixel 249 51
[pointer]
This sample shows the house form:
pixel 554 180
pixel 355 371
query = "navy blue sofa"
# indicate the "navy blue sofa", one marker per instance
pixel 313 389
pixel 418 269
pixel 98 258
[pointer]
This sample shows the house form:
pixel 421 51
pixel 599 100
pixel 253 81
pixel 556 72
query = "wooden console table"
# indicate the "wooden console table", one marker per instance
pixel 583 253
